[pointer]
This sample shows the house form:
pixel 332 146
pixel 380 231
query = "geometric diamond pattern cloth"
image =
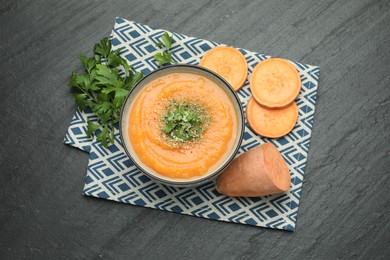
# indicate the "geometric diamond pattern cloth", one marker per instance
pixel 112 176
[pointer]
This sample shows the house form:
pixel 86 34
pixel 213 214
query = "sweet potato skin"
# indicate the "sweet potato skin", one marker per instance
pixel 260 171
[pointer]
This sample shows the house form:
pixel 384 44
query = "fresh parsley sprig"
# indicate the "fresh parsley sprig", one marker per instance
pixel 165 57
pixel 103 88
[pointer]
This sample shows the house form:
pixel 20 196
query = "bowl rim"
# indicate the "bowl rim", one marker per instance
pixel 219 169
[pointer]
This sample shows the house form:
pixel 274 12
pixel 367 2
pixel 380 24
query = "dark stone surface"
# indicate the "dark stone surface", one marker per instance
pixel 344 211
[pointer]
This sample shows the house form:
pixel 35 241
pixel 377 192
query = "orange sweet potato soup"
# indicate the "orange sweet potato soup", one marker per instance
pixel 155 129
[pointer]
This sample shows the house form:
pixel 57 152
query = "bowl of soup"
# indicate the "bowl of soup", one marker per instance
pixel 182 125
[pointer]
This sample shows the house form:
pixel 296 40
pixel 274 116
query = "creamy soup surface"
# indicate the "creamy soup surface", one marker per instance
pixel 192 158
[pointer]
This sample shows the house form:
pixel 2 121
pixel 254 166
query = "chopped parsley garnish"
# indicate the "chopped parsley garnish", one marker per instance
pixel 184 121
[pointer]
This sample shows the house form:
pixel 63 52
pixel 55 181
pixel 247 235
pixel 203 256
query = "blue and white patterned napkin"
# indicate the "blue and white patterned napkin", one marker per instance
pixel 111 175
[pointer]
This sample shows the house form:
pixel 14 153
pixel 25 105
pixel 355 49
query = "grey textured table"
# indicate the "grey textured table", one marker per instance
pixel 344 210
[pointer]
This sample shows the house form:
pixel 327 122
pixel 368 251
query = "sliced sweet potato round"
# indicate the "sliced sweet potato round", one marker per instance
pixel 229 63
pixel 275 83
pixel 272 123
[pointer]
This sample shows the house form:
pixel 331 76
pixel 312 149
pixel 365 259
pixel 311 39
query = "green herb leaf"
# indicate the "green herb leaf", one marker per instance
pixel 79 98
pixel 102 89
pixel 165 57
pixel 83 59
pixel 92 128
pixel 160 44
pixel 103 136
pixel 184 121
pixel 107 76
pixel 120 95
pixel 169 127
pixel 114 60
pixel 103 48
pixel 134 79
pixel 101 107
pixel 112 138
pixel 167 40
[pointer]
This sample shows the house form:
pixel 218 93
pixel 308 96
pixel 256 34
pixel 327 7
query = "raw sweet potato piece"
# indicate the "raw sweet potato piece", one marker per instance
pixel 275 83
pixel 260 171
pixel 227 62
pixel 271 123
